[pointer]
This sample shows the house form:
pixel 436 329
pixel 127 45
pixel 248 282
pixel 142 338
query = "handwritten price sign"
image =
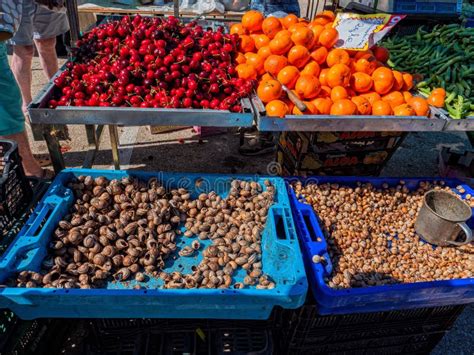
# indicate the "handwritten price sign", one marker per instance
pixel 361 32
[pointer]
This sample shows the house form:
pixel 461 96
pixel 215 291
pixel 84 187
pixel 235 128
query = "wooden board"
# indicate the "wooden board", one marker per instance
pixel 106 8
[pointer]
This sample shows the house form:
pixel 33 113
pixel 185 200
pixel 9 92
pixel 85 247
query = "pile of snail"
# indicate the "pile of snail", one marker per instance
pixel 125 230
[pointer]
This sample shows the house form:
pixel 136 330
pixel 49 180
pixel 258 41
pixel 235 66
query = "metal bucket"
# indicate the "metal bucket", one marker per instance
pixel 442 219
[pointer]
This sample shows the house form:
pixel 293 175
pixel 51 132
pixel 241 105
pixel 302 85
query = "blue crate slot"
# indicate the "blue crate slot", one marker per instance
pixel 427 7
pixel 281 258
pixel 375 298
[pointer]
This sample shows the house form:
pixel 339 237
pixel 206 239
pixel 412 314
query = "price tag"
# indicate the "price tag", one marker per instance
pixel 361 32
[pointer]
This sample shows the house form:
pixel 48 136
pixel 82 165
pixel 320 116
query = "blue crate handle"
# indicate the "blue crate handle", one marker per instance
pixel 313 248
pixel 28 248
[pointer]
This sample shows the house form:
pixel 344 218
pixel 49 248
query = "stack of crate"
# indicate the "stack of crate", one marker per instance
pixel 336 153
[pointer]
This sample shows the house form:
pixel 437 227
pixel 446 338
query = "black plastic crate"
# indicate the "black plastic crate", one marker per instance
pixel 304 330
pixel 177 337
pixel 15 189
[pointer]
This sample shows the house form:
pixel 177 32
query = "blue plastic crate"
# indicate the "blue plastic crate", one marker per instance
pixel 427 7
pixel 281 258
pixel 375 298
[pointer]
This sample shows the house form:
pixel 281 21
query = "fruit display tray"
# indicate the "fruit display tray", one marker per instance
pixel 327 123
pixel 132 116
pixel 281 258
pixel 375 298
pixel 40 113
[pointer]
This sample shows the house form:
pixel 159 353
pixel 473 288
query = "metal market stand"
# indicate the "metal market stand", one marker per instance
pixel 95 118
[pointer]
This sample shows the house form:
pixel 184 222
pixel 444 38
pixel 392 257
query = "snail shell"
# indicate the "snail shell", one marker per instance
pixel 140 277
pixel 99 259
pixel 122 275
pixel 186 251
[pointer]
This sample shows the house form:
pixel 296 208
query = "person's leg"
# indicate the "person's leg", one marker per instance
pixel 47 25
pixel 12 121
pixel 30 164
pixel 23 51
pixel 47 54
pixel 21 67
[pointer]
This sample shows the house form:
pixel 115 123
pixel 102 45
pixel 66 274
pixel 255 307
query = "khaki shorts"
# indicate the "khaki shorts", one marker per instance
pixel 39 23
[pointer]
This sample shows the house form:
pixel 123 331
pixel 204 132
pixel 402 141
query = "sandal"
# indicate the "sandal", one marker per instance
pixel 43 159
pixel 47 175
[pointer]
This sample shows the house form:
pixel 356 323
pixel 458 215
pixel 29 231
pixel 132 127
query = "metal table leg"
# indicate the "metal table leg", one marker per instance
pixel 114 142
pixel 93 138
pixel 54 148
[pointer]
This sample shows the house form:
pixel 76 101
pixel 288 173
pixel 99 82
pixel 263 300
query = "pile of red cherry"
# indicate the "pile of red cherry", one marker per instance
pixel 153 62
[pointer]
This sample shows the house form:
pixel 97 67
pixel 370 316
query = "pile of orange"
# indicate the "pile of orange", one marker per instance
pixel 329 80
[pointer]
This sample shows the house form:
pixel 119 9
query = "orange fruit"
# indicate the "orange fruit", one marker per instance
pixel 363 105
pixel 325 91
pixel 407 96
pixel 381 108
pixel 288 76
pixel 404 110
pixel 277 108
pixel 240 58
pixel 252 21
pixel 302 36
pixel 337 56
pixel 269 90
pixel 395 98
pixel 271 26
pixel 257 62
pixel 310 109
pixel 281 44
pixel 312 68
pixel 293 28
pixel 439 91
pixel 365 65
pixel 237 28
pixel 383 80
pixel 372 97
pixel 363 54
pixel 266 77
pixel 344 107
pixel 246 71
pixel 319 55
pixel 325 17
pixel 247 44
pixel 407 82
pixel 328 37
pixel 261 41
pixel 289 20
pixel 381 54
pixel 264 52
pixel 298 56
pixel 338 75
pixel 339 93
pixel 436 100
pixel 274 63
pixel 307 86
pixel 317 30
pixel 398 83
pixel 361 82
pixel 323 76
pixel 323 105
pixel 420 105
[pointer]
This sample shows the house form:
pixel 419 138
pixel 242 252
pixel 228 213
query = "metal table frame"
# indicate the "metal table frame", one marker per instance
pixel 95 118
